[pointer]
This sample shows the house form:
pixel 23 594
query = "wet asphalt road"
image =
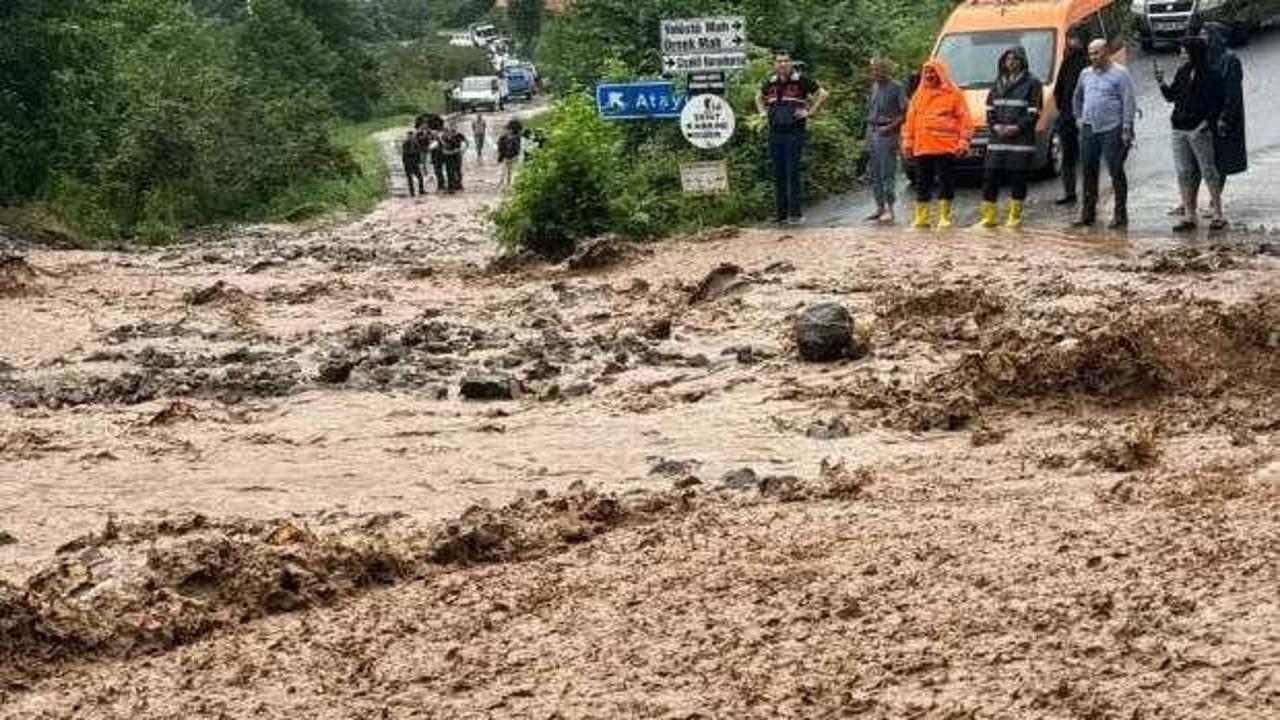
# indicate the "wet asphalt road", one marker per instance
pixel 1252 199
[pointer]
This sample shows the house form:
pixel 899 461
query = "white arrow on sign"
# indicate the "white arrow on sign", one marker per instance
pixel 708 121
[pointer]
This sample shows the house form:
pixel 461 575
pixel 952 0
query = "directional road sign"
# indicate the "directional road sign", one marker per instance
pixel 651 100
pixel 704 44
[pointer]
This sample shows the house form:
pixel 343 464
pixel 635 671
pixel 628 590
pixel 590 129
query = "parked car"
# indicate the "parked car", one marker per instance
pixel 480 92
pixel 979 31
pixel 520 82
pixel 461 40
pixel 1165 21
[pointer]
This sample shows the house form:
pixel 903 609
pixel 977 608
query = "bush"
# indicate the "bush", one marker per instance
pixel 564 191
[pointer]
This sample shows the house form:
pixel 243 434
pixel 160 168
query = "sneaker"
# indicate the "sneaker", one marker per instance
pixel 1084 222
pixel 1065 200
pixel 1119 223
pixel 874 216
pixel 1185 226
pixel 1219 224
pixel 798 220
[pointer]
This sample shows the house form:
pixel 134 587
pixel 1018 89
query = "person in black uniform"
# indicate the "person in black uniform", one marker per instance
pixel 1075 61
pixel 411 155
pixel 1013 108
pixel 788 99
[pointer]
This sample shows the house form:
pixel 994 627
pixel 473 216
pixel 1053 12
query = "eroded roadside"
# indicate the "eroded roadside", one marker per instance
pixel 274 476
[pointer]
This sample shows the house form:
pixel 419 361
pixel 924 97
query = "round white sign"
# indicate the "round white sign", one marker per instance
pixel 707 121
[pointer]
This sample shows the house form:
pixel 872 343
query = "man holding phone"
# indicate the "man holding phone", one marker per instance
pixel 1105 106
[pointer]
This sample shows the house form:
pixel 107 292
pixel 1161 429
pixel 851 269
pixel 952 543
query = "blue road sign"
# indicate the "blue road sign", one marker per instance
pixel 653 100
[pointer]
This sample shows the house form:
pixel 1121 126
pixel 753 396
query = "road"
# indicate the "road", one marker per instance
pixel 1250 197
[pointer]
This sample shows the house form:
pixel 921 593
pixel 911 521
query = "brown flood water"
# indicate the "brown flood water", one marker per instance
pixel 1051 489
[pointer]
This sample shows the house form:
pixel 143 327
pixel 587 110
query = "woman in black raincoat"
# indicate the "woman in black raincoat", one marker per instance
pixel 1013 109
pixel 1230 149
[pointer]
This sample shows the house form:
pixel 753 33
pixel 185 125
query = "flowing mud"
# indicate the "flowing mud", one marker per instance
pixel 372 470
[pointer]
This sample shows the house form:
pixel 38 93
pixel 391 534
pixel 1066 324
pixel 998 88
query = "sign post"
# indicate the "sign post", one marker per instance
pixel 705 49
pixel 651 100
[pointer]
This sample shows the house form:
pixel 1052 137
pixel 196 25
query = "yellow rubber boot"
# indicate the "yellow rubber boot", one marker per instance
pixel 921 219
pixel 1015 215
pixel 944 214
pixel 986 215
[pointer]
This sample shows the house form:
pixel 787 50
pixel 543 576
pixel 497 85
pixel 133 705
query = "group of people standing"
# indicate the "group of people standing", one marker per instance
pixel 444 145
pixel 930 124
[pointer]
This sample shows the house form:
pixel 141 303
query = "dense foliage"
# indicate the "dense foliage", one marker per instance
pixel 134 118
pixel 638 175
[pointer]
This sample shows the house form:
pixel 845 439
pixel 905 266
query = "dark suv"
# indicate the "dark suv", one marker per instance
pixel 1163 21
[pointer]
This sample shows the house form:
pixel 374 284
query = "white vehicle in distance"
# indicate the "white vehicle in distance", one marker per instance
pixel 483 34
pixel 461 40
pixel 478 92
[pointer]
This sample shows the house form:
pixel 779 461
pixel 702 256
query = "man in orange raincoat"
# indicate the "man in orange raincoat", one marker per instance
pixel 936 132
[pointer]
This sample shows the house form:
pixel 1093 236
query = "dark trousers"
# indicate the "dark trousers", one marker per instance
pixel 1069 135
pixel 413 169
pixel 931 167
pixel 787 150
pixel 1094 149
pixel 992 178
pixel 437 164
pixel 453 167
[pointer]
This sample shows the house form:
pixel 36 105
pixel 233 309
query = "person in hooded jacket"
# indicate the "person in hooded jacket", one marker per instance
pixel 936 132
pixel 1230 150
pixel 1013 109
pixel 1196 94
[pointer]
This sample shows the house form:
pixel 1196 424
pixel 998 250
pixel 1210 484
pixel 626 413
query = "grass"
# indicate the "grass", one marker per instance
pixel 357 194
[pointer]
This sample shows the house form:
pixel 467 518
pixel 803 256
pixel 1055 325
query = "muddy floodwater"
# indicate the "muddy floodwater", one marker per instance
pixel 367 471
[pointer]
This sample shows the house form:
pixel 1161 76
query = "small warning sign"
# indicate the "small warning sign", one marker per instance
pixel 705 178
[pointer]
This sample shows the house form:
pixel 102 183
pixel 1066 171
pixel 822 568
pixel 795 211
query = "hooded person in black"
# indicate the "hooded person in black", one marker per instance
pixel 1013 109
pixel 1064 90
pixel 1231 151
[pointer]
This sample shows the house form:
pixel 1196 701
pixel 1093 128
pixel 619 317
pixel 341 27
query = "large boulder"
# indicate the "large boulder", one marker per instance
pixel 824 333
pixel 478 385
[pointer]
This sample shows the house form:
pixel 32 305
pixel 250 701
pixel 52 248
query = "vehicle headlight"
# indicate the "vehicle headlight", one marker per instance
pixel 1138 7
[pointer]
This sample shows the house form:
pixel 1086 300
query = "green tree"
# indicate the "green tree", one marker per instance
pixel 526 20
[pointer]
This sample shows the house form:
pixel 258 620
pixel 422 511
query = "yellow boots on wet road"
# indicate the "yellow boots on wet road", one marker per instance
pixel 988 215
pixel 921 220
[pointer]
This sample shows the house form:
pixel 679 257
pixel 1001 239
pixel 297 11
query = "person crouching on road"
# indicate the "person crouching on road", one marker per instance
pixel 1013 108
pixel 886 111
pixel 1197 97
pixel 937 131
pixel 784 100
pixel 411 155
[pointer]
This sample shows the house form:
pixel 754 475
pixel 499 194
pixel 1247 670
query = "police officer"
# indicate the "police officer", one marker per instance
pixel 788 99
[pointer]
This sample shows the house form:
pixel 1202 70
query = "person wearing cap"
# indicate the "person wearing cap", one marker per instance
pixel 787 100
pixel 886 112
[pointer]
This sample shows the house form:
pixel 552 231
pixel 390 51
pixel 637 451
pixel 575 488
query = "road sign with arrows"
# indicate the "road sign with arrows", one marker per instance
pixel 695 45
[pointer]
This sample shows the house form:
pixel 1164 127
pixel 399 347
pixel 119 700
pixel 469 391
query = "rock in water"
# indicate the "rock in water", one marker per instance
pixel 597 253
pixel 489 386
pixel 824 333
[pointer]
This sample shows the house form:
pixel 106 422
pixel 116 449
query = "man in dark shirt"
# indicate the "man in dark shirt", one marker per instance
pixel 453 144
pixel 411 155
pixel 1064 91
pixel 787 100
